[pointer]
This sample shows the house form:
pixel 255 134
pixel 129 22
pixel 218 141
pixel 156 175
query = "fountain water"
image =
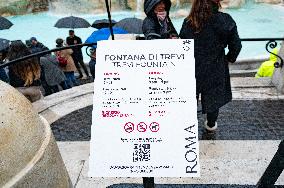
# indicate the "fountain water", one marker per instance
pixel 139 5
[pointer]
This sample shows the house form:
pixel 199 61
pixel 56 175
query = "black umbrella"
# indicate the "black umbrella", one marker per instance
pixel 103 23
pixel 4 44
pixel 72 22
pixel 131 25
pixel 5 23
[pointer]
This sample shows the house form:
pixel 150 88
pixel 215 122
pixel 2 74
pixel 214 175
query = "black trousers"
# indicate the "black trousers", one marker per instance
pixel 211 116
pixel 78 63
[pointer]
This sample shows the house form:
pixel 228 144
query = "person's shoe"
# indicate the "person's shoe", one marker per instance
pixel 210 128
pixel 80 77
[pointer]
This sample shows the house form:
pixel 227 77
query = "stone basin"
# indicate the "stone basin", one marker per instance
pixel 29 155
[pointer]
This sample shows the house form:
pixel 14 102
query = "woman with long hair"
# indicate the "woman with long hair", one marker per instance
pixel 212 32
pixel 25 75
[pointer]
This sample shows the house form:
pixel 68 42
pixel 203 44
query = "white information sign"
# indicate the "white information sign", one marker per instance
pixel 144 113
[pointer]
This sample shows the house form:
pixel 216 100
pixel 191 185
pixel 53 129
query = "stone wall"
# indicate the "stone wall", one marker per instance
pixel 18 7
pixel 39 5
pixel 232 3
pixel 15 7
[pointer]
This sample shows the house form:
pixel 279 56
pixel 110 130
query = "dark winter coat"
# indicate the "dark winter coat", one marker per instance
pixel 39 47
pixel 77 51
pixel 211 63
pixel 151 27
pixel 53 75
pixel 3 74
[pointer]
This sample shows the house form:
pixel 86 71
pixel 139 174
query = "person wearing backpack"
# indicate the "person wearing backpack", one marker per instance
pixel 66 63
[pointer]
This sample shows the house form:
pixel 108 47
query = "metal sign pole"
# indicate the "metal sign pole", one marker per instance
pixel 109 19
pixel 148 182
pixel 274 169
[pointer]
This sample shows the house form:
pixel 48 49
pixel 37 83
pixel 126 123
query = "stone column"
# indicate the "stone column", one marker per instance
pixel 278 75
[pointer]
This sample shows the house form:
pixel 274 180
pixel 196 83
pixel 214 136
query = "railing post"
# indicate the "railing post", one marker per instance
pixel 148 182
pixel 274 169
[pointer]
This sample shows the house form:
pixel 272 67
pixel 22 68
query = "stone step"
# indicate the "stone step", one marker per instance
pixel 225 162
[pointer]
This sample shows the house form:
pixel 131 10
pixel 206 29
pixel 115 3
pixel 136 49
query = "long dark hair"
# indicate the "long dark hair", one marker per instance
pixel 28 70
pixel 200 13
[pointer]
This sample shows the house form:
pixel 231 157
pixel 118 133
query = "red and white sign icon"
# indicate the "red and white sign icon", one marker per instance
pixel 129 127
pixel 154 127
pixel 142 127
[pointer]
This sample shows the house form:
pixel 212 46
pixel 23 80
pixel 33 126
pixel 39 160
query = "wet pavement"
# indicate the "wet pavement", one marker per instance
pixel 238 120
pixel 186 186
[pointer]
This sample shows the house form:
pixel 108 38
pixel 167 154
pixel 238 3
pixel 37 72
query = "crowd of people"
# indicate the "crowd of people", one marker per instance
pixel 211 30
pixel 44 74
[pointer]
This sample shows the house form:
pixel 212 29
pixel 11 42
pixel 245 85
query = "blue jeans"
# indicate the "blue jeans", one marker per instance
pixel 71 80
pixel 3 75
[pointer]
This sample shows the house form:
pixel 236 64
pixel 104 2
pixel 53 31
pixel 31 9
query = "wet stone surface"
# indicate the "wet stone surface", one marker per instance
pixel 238 120
pixel 186 186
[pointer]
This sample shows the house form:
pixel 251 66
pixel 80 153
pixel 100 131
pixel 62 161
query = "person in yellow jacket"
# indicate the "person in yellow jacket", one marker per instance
pixel 267 67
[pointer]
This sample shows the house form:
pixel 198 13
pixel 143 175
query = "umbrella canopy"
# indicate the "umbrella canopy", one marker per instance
pixel 72 22
pixel 131 25
pixel 103 23
pixel 4 44
pixel 103 34
pixel 5 23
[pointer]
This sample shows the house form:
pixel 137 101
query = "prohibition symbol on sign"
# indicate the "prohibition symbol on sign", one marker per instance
pixel 142 127
pixel 129 127
pixel 154 127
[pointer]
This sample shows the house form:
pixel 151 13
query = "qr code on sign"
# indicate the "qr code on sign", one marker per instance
pixel 141 152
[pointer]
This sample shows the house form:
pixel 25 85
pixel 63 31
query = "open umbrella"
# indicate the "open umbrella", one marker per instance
pixel 72 22
pixel 4 44
pixel 103 34
pixel 103 23
pixel 5 23
pixel 131 25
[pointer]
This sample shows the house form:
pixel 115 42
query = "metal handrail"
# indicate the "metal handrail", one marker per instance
pixel 44 53
pixel 261 39
pixel 270 44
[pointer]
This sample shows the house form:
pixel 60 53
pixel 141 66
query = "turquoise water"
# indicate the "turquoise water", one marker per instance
pixel 253 20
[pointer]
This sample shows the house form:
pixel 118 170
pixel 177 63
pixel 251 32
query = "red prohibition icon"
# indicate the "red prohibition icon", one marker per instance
pixel 142 127
pixel 154 127
pixel 129 127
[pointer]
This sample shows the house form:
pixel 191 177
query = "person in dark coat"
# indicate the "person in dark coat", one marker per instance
pixel 3 75
pixel 36 46
pixel 157 24
pixel 212 32
pixel 77 53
